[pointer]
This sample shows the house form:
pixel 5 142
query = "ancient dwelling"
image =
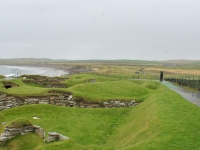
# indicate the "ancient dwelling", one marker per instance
pixel 12 131
pixel 62 99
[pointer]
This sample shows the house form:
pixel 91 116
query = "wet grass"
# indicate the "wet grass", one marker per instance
pixel 164 120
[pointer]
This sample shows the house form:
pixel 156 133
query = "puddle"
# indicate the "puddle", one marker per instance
pixel 192 96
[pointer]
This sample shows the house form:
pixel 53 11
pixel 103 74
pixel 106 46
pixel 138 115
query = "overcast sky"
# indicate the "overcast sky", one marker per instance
pixel 100 29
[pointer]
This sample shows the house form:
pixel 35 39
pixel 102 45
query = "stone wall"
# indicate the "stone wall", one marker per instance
pixel 50 82
pixel 11 132
pixel 65 99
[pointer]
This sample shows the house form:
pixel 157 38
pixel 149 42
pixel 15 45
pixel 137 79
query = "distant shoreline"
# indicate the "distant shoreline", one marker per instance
pixel 66 68
pixel 36 69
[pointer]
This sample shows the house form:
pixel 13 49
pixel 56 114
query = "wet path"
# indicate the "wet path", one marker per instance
pixel 191 96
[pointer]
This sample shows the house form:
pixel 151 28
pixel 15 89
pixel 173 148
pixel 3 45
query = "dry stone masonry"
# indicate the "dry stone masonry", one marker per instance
pixel 50 82
pixel 54 136
pixel 11 132
pixel 64 99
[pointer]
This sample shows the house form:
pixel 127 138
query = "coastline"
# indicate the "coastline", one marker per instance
pixel 66 68
pixel 39 70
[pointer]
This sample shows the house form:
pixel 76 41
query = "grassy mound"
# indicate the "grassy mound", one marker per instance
pixel 85 127
pixel 1 76
pixel 19 123
pixel 96 88
pixel 163 121
pixel 112 90
pixel 86 78
pixel 23 89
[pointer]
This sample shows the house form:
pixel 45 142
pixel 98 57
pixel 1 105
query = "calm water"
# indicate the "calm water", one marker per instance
pixel 9 71
pixel 191 96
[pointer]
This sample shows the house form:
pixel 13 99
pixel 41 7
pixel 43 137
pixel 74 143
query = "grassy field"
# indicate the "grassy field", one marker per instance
pixel 99 90
pixel 163 121
pixel 22 89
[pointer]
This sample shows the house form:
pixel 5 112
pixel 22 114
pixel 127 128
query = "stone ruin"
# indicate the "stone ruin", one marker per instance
pixel 50 82
pixel 54 136
pixel 8 85
pixel 64 99
pixel 11 132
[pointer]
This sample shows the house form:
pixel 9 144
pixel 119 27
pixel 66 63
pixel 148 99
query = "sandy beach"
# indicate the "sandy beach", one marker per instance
pixel 36 70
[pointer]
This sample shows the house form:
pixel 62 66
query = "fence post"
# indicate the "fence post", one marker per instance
pixel 193 82
pixel 182 82
pixel 189 82
pixel 185 81
pixel 198 84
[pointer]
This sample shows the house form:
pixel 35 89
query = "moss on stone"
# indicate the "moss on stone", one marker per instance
pixel 19 123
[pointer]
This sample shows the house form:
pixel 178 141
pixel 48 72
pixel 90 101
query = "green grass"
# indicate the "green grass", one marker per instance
pixel 112 90
pixel 1 76
pixel 85 127
pixel 23 89
pixel 86 78
pixel 103 89
pixel 19 123
pixel 164 120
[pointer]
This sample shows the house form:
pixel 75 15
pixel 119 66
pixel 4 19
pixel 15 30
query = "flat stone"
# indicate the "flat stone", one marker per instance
pixel 2 99
pixel 2 103
pixel 3 96
pixel 70 97
pixel 61 97
pixel 43 102
pixel 5 134
pixel 31 130
pixel 35 126
pixel 62 137
pixel 132 101
pixel 4 138
pixel 22 133
pixel 105 103
pixel 9 98
pixel 59 104
pixel 9 105
pixel 52 133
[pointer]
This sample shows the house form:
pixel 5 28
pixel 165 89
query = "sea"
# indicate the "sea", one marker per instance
pixel 14 71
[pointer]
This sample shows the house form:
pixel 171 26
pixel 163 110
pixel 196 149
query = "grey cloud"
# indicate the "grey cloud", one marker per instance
pixel 91 29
